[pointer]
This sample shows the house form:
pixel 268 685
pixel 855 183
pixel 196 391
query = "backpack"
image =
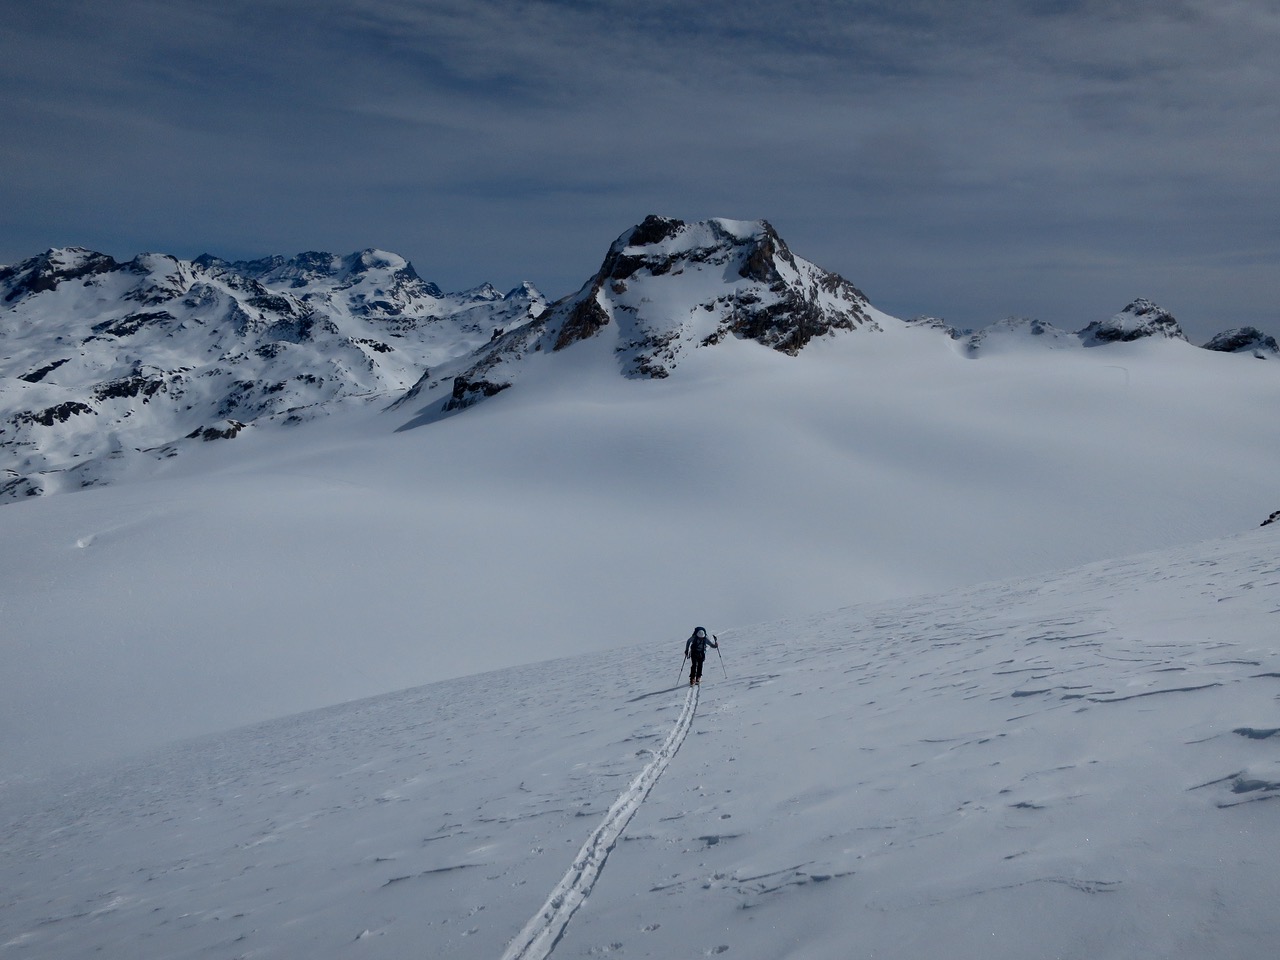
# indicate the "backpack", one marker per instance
pixel 698 644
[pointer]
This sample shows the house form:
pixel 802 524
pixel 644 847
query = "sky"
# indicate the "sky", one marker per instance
pixel 973 159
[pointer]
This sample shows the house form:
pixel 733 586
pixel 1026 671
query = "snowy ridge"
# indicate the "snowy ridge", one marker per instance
pixel 104 364
pixel 1140 320
pixel 665 289
pixel 109 370
pixel 544 930
pixel 1137 321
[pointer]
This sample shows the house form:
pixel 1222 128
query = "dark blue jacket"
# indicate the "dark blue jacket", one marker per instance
pixel 696 646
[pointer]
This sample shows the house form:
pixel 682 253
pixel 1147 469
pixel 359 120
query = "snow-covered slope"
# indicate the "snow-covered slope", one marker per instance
pixel 712 428
pixel 1081 765
pixel 360 554
pixel 102 361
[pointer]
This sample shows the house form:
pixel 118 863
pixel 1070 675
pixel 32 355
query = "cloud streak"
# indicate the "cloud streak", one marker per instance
pixel 972 159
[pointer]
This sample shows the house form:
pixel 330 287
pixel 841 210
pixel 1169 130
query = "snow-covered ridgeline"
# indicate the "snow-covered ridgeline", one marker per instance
pixel 101 360
pixel 665 289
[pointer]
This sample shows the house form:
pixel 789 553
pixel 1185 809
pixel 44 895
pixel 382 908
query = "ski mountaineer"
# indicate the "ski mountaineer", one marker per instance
pixel 695 648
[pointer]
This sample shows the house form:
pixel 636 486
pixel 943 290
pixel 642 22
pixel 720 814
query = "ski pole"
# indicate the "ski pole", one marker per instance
pixel 681 673
pixel 720 655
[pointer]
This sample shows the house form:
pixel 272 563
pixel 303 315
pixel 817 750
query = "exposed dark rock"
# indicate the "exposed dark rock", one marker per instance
pixel 783 308
pixel 135 386
pixel 1245 340
pixel 15 487
pixel 787 324
pixel 1138 320
pixel 228 430
pixel 35 376
pixel 273 303
pixel 654 229
pixel 59 413
pixel 1271 519
pixel 47 271
pixel 466 392
pixel 128 326
pixel 586 319
pixel 937 323
pixel 761 262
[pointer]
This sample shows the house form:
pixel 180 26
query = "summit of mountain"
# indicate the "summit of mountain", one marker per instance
pixel 102 360
pixel 1139 320
pixel 665 289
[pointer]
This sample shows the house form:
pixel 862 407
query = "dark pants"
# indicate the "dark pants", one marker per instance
pixel 695 667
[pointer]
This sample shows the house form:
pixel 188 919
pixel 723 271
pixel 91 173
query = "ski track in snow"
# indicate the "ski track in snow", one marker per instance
pixel 1082 765
pixel 544 929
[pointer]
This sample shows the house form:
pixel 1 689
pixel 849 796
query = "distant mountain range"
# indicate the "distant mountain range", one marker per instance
pixel 103 361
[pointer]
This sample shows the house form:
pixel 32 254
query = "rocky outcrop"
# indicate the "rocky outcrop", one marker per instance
pixel 654 284
pixel 1137 321
pixel 665 288
pixel 584 319
pixel 51 268
pixel 1245 340
pixel 225 431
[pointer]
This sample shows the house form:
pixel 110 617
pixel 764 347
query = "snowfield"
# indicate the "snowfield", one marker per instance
pixel 431 558
pixel 361 553
pixel 1079 765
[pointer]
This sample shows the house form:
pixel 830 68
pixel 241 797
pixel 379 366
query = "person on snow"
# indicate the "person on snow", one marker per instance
pixel 695 648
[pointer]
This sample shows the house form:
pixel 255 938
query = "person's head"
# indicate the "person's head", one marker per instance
pixel 700 633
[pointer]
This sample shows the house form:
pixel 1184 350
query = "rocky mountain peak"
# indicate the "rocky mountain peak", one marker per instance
pixel 1138 320
pixel 1245 340
pixel 758 290
pixel 667 287
pixel 106 361
pixel 659 244
pixel 46 271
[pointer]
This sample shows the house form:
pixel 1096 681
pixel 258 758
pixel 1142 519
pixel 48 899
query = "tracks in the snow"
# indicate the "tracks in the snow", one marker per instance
pixel 544 929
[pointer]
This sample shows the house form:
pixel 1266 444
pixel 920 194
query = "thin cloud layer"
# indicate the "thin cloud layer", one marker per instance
pixel 970 159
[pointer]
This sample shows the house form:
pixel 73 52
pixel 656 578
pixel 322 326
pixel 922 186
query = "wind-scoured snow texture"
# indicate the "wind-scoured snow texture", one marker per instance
pixel 1082 765
pixel 666 288
pixel 544 929
pixel 102 360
